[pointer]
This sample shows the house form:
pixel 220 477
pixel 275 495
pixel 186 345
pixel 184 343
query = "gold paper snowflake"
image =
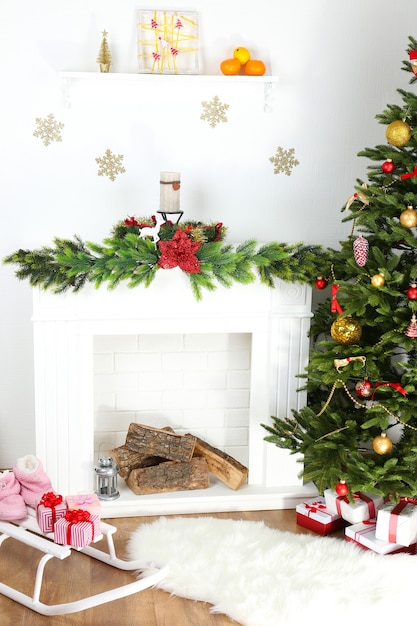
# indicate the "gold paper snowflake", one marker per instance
pixel 284 161
pixel 48 129
pixel 110 165
pixel 214 111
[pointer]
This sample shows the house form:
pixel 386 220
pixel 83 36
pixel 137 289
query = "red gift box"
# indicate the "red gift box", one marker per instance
pixel 78 529
pixel 314 515
pixel 50 509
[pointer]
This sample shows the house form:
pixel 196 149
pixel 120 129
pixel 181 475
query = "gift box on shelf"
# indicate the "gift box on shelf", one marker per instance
pixel 86 502
pixel 363 535
pixel 314 515
pixel 50 508
pixel 77 528
pixel 364 506
pixel 397 523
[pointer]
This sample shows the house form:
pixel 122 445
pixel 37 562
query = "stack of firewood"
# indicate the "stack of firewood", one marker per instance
pixel 157 460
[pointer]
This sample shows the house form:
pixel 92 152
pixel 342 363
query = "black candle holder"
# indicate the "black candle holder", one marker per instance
pixel 167 215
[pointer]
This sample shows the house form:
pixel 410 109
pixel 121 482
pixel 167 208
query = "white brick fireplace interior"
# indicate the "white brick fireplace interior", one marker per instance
pixel 217 368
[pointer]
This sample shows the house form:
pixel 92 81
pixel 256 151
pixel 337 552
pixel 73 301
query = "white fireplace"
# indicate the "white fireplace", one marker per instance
pixel 66 329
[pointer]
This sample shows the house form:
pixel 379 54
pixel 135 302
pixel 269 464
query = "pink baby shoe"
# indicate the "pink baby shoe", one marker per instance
pixel 34 481
pixel 12 505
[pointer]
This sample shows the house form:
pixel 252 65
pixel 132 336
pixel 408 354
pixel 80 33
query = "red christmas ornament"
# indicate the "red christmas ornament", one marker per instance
pixel 321 283
pixel 341 488
pixel 412 292
pixel 364 388
pixel 360 250
pixel 388 166
pixel 179 252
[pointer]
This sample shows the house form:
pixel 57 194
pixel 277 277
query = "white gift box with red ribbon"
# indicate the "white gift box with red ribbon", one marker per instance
pixel 364 506
pixel 364 535
pixel 316 509
pixel 314 515
pixel 397 523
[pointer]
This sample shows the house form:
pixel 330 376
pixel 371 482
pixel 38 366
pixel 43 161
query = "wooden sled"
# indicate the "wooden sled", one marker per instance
pixel 28 532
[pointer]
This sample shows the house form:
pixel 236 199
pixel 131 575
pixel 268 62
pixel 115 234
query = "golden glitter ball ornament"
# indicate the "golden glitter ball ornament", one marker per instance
pixel 408 217
pixel 346 331
pixel 382 444
pixel 398 133
pixel 378 280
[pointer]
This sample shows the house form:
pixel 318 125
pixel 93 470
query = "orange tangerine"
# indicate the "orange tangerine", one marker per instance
pixel 230 67
pixel 255 67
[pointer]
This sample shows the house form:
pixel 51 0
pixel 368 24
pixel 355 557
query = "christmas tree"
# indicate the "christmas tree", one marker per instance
pixel 104 54
pixel 360 423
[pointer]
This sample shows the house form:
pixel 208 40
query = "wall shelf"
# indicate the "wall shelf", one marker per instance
pixel 269 82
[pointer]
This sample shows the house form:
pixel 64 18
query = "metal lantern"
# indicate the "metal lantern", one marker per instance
pixel 106 478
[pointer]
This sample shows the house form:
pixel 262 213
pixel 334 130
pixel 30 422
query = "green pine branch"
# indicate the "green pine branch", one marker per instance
pixel 125 256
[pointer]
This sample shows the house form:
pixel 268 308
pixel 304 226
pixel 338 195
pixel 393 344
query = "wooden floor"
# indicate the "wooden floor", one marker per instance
pixel 79 575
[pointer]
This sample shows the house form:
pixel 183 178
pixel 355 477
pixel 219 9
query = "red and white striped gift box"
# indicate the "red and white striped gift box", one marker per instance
pixel 78 529
pixel 50 509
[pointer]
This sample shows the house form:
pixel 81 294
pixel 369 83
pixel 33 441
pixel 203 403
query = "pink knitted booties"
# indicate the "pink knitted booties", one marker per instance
pixel 34 481
pixel 12 505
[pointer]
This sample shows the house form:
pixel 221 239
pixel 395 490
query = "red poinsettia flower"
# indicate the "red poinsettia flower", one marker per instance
pixel 131 221
pixel 179 252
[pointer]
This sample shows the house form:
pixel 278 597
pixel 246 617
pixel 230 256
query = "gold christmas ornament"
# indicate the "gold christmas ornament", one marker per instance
pixel 378 280
pixel 408 217
pixel 382 444
pixel 398 133
pixel 346 331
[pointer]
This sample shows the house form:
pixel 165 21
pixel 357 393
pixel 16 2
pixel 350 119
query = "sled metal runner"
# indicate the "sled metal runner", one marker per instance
pixel 28 532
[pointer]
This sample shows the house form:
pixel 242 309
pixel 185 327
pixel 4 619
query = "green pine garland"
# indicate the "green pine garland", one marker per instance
pixel 124 256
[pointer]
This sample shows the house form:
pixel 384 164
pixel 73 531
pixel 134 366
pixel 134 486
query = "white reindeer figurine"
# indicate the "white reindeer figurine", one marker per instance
pixel 153 231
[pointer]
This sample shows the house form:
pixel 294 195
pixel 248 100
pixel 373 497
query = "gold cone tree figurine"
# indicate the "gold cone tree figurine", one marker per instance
pixel 104 55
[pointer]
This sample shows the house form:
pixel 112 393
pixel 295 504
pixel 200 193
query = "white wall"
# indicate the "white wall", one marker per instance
pixel 339 64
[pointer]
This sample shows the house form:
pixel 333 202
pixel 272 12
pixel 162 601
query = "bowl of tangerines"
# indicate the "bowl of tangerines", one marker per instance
pixel 242 63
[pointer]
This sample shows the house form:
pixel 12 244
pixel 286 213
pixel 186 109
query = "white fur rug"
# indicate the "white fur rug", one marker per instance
pixel 264 577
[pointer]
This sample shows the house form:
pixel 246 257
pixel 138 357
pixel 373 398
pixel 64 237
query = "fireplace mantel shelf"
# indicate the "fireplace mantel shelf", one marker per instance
pixel 170 80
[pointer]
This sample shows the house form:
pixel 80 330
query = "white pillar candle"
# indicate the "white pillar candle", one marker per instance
pixel 170 183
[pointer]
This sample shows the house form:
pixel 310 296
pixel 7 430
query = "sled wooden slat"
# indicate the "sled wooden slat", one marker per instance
pixel 28 532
